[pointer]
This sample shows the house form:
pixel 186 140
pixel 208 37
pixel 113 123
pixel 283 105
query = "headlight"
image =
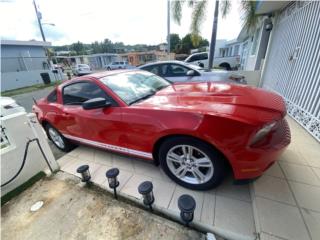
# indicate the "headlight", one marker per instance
pixel 262 133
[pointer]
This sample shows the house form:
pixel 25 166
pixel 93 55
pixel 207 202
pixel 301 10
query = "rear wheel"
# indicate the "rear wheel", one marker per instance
pixel 58 139
pixel 192 163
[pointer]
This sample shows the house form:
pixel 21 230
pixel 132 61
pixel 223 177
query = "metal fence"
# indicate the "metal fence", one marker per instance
pixel 293 65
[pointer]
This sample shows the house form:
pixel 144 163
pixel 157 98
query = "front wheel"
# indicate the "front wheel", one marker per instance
pixel 192 163
pixel 59 141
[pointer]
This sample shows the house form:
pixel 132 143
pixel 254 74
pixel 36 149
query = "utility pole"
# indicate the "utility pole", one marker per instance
pixel 39 20
pixel 168 27
pixel 214 35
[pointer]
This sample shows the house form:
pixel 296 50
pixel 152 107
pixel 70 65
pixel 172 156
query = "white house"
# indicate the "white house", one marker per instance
pixel 23 63
pixel 285 48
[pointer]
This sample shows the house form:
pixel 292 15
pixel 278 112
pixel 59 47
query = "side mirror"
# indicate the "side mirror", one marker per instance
pixel 95 103
pixel 191 73
pixel 201 64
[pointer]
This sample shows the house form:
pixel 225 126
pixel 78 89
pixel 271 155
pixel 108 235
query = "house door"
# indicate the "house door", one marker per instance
pixel 293 65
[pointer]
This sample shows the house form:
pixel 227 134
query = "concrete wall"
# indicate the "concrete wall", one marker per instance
pixel 19 128
pixel 14 80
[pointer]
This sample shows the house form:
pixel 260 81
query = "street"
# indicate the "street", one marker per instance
pixel 26 101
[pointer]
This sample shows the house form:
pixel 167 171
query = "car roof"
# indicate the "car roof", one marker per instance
pixel 192 66
pixel 102 74
pixel 162 62
pixel 198 53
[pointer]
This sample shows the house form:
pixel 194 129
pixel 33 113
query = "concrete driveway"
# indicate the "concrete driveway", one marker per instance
pixel 282 204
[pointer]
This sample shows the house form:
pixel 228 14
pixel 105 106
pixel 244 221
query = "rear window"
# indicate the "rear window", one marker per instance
pixel 52 97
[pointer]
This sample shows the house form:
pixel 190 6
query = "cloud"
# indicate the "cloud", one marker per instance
pixel 138 21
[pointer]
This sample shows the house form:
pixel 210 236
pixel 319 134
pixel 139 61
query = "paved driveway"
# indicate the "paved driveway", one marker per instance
pixel 282 204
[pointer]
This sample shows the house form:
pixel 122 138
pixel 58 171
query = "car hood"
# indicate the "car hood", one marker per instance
pixel 237 101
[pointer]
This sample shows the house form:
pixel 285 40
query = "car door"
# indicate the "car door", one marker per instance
pixel 94 126
pixel 203 60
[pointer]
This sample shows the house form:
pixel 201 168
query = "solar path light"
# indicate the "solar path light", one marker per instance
pixel 187 205
pixel 145 189
pixel 85 173
pixel 112 175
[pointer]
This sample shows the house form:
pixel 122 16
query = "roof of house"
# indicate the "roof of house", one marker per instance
pixel 25 43
pixel 265 7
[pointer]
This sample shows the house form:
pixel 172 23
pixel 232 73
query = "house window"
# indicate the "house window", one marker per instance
pixel 255 42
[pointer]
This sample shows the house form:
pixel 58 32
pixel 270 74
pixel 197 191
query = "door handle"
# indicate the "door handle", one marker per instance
pixel 65 114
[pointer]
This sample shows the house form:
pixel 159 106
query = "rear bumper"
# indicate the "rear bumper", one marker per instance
pixel 253 162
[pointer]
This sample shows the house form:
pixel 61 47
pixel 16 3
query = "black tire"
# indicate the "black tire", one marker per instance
pixel 67 144
pixel 109 69
pixel 217 159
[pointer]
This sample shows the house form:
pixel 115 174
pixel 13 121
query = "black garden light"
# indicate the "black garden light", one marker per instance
pixel 85 173
pixel 112 175
pixel 145 189
pixel 187 205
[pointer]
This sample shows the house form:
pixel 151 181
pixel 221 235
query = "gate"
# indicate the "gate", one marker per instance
pixel 293 66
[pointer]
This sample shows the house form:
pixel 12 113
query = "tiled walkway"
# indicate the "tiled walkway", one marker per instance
pixel 287 197
pixel 227 208
pixel 286 200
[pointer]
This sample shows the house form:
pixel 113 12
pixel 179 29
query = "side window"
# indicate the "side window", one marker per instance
pixel 195 57
pixel 52 97
pixel 77 93
pixel 177 70
pixel 203 56
pixel 164 70
pixel 153 69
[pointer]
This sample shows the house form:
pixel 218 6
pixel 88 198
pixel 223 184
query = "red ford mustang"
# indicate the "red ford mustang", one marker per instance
pixel 193 130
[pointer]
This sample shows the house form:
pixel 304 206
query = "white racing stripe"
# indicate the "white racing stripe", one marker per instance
pixel 110 147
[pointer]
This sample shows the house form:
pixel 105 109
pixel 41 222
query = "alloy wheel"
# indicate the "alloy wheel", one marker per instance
pixel 190 164
pixel 56 138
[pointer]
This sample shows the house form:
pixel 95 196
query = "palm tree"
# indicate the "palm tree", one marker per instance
pixel 249 18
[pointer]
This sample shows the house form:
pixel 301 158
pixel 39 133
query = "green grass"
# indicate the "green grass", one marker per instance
pixel 32 88
pixel 21 188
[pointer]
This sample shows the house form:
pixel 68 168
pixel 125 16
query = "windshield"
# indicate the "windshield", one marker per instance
pixel 132 87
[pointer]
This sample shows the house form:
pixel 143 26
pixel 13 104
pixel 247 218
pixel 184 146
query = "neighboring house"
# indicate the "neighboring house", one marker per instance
pixel 288 56
pixel 254 45
pixel 99 60
pixel 95 61
pixel 139 58
pixel 22 62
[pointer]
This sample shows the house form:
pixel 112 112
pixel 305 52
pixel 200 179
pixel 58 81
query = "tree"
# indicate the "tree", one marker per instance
pixel 174 41
pixel 249 18
pixel 78 47
pixel 186 44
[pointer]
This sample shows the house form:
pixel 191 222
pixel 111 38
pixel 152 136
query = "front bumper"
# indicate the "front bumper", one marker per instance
pixel 253 162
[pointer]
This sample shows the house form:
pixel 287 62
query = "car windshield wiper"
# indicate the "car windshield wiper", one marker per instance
pixel 162 87
pixel 151 93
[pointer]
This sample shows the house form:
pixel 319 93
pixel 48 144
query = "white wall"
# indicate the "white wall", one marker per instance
pixel 19 128
pixel 14 80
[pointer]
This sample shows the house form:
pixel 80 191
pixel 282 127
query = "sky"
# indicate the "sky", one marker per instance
pixel 128 21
